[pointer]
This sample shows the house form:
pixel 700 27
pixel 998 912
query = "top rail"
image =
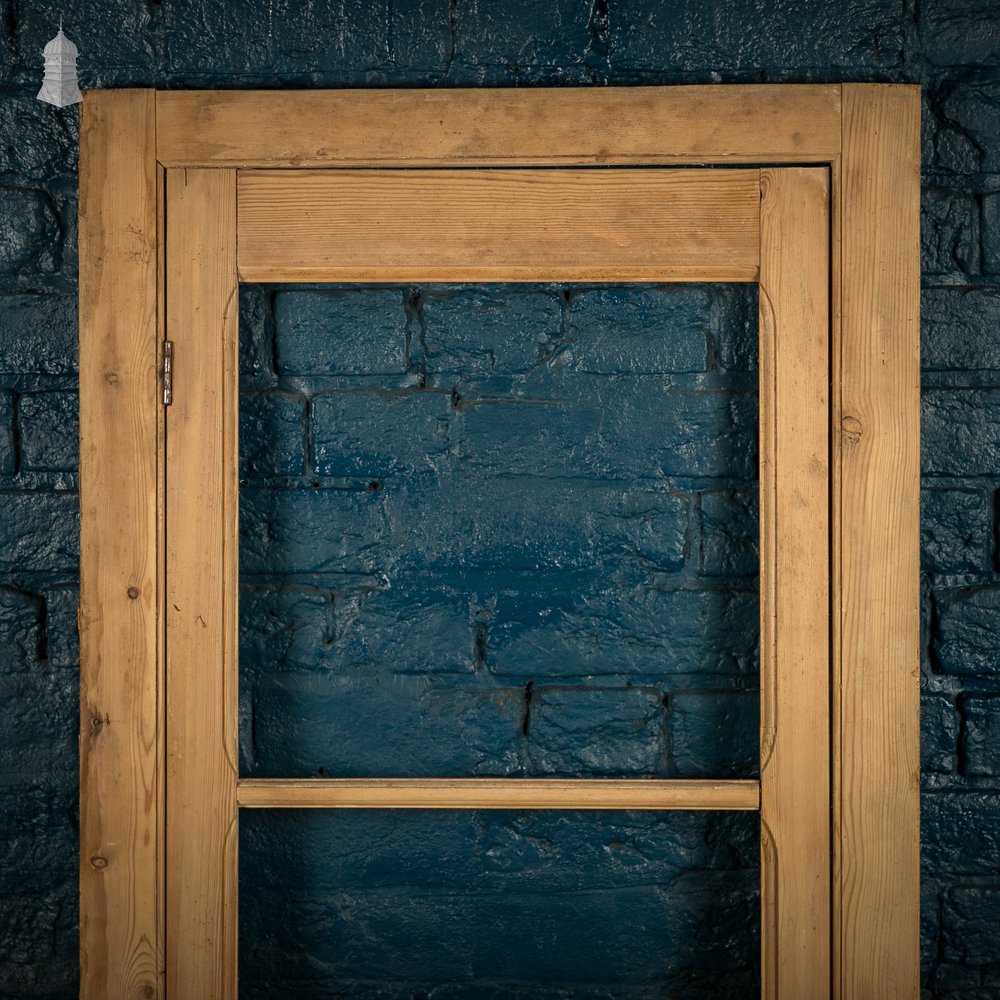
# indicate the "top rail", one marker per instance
pixel 544 126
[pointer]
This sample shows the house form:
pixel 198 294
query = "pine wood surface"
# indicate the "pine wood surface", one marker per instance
pixel 202 582
pixel 496 793
pixel 877 446
pixel 499 225
pixel 537 126
pixel 794 580
pixel 120 735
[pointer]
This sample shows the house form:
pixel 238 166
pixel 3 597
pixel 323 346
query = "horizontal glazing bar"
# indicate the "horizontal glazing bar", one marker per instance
pixel 497 793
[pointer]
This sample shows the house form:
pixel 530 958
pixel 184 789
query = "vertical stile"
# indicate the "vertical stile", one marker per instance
pixel 878 450
pixel 202 570
pixel 794 516
pixel 121 787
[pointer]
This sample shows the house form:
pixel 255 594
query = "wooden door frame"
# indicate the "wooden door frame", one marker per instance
pixel 865 136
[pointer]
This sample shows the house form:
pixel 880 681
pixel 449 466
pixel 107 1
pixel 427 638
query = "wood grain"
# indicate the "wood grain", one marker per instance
pixel 874 158
pixel 496 793
pixel 795 624
pixel 499 225
pixel 878 792
pixel 202 570
pixel 121 924
pixel 536 126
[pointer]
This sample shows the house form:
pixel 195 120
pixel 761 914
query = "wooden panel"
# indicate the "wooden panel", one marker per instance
pixel 794 519
pixel 878 786
pixel 120 779
pixel 497 793
pixel 499 225
pixel 201 585
pixel 482 127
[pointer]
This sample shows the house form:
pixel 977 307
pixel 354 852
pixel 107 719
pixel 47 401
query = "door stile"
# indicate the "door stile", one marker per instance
pixel 877 927
pixel 201 577
pixel 121 777
pixel 794 328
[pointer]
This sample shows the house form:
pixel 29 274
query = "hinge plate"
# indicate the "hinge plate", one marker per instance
pixel 168 372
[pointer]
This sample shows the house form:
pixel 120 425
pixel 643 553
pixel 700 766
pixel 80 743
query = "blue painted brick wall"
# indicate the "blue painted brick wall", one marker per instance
pixel 498 530
pixel 951 47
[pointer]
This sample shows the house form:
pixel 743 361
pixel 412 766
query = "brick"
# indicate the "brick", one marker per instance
pixel 420 37
pixel 972 109
pixel 825 34
pixel 50 431
pixel 545 945
pixel 960 432
pixel 28 232
pixel 41 724
pixel 958 329
pixel 991 233
pixel 311 531
pixel 543 34
pixel 959 32
pixel 535 437
pixel 34 930
pixel 62 641
pixel 960 832
pixel 376 434
pixel 284 628
pixel 272 435
pixel 233 38
pixel 581 731
pixel 20 629
pixel 244 38
pixel 529 850
pixel 930 925
pixel 39 533
pixel 124 57
pixel 358 629
pixel 38 837
pixel 488 330
pixel 715 733
pixel 256 335
pixel 464 521
pixel 628 428
pixel 699 433
pixel 949 234
pixel 8 450
pixel 952 981
pixel 733 326
pixel 729 534
pixel 981 737
pixel 343 332
pixel 955 531
pixel 652 331
pixel 966 642
pixel 938 733
pixel 47 140
pixel 38 334
pixel 436 619
pixel 601 629
pixel 509 523
pixel 652 526
pixel 323 33
pixel 375 723
pixel 407 891
pixel 971 917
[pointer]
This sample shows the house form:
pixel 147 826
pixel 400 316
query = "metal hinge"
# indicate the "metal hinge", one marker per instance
pixel 168 372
